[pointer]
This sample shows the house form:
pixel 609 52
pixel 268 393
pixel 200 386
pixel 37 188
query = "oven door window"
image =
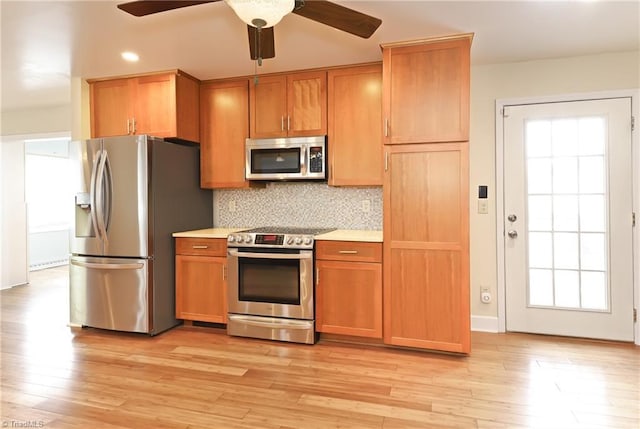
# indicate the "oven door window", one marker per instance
pixel 275 161
pixel 269 280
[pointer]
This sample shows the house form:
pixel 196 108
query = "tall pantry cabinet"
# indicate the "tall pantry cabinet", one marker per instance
pixel 426 193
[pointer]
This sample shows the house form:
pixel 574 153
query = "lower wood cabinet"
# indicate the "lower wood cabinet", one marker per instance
pixel 426 247
pixel 201 285
pixel 349 288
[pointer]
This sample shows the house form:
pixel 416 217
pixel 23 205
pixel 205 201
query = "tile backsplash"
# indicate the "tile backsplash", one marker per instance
pixel 299 204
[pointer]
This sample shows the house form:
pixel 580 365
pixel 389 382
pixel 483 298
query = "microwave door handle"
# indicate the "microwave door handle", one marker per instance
pixel 303 159
pixel 233 252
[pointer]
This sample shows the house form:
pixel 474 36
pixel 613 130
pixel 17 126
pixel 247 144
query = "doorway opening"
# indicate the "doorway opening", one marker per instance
pixel 49 196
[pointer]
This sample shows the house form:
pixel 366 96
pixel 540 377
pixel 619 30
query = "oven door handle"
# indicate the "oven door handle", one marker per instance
pixel 307 255
pixel 271 323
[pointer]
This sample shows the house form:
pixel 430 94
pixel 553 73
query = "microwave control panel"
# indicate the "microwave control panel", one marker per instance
pixel 316 161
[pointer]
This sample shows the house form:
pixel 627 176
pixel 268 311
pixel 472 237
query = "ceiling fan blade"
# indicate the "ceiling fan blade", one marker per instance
pixel 337 16
pixel 148 7
pixel 261 43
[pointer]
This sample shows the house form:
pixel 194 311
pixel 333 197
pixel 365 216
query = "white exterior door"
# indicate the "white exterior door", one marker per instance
pixel 568 219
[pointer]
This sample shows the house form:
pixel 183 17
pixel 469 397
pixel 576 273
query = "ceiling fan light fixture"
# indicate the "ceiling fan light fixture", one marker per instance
pixel 261 13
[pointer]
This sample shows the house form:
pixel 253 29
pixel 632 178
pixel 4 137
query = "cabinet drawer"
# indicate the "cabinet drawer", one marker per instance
pixel 349 251
pixel 201 246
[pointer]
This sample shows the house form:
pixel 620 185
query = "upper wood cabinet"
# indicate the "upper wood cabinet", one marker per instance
pixel 289 105
pixel 426 90
pixel 354 130
pixel 163 105
pixel 224 119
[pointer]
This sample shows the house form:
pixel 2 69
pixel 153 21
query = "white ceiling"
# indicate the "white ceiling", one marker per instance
pixel 46 43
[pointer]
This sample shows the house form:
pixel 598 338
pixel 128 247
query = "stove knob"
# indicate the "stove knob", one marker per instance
pixel 298 240
pixel 231 239
pixel 290 240
pixel 247 239
pixel 307 240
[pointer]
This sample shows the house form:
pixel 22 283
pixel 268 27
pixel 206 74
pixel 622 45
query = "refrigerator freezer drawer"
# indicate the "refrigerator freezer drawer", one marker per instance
pixel 110 293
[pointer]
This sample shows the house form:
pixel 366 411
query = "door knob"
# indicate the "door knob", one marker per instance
pixel 512 234
pixel 512 218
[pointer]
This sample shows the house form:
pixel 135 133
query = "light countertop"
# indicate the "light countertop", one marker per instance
pixel 208 233
pixel 352 235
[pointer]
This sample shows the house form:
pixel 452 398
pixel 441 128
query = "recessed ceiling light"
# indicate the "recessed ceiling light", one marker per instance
pixel 130 56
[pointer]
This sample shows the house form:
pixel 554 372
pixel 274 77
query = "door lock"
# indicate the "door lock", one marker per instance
pixel 512 218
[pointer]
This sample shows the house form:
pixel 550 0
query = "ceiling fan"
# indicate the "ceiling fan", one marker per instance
pixel 261 15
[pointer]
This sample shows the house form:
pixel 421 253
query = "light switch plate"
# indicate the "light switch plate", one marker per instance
pixel 483 206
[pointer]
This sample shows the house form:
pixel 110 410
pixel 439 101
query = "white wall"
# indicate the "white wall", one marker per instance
pixel 14 215
pixel 525 79
pixel 36 121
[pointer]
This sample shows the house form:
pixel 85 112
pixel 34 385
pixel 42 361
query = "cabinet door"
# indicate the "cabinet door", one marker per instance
pixel 201 288
pixel 426 247
pixel 307 104
pixel 349 298
pixel 354 126
pixel 426 91
pixel 155 105
pixel 224 122
pixel 110 108
pixel 268 100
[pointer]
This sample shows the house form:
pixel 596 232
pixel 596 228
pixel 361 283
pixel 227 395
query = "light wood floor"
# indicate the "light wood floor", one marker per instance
pixel 189 377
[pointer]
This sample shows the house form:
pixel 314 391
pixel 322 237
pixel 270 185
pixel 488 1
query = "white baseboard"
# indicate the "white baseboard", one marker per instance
pixel 484 324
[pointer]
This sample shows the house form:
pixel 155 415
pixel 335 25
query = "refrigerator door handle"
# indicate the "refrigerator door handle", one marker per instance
pixel 100 195
pixel 92 194
pixel 109 193
pixel 132 266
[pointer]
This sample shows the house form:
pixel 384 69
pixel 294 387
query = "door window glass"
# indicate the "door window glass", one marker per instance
pixel 567 207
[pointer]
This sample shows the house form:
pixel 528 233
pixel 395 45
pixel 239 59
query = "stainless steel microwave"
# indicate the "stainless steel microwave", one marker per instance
pixel 290 158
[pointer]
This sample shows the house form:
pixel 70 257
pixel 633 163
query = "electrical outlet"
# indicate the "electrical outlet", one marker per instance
pixel 232 206
pixel 485 295
pixel 366 206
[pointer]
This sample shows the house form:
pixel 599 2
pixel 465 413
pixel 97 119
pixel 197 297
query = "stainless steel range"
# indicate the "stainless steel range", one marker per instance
pixel 271 283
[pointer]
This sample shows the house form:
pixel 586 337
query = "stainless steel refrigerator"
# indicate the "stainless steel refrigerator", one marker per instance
pixel 134 192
